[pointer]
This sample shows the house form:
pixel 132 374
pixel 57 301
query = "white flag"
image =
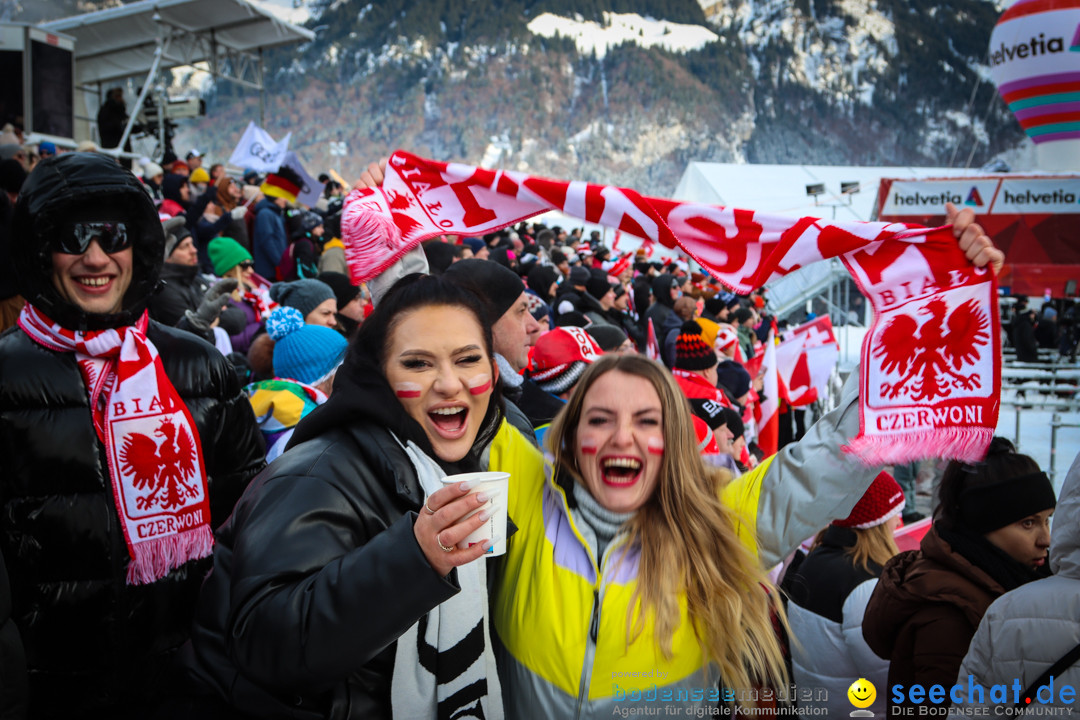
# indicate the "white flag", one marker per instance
pixel 311 188
pixel 258 151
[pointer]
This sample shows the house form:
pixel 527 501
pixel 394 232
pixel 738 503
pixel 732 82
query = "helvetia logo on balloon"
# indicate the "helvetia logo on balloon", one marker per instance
pixel 1033 47
pixel 1038 76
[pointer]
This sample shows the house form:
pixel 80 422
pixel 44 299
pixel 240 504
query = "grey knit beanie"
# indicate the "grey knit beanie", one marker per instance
pixel 304 295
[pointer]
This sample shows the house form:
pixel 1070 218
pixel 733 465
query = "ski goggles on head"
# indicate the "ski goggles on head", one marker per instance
pixel 76 238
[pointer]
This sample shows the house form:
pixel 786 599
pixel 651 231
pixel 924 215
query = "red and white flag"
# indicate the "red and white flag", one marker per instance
pixel 652 348
pixel 768 438
pixel 806 360
pixel 931 373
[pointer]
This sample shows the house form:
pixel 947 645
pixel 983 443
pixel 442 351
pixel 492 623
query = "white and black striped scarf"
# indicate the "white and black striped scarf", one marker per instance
pixel 444 668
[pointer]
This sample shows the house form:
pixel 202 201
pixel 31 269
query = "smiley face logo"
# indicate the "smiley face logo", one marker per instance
pixel 862 693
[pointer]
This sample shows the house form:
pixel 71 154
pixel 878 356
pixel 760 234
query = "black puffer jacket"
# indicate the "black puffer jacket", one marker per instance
pixel 318 572
pixel 12 657
pixel 91 639
pixel 184 288
pixel 94 645
pixel 325 533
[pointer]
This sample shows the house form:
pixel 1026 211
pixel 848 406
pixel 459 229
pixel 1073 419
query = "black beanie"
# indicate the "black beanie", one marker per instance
pixel 571 319
pixel 691 350
pixel 608 337
pixel 497 286
pixel 597 285
pixel 579 275
pixel 708 410
pixel 986 508
pixel 734 378
pixel 440 255
pixel 540 279
pixel 342 286
pixel 714 305
pixel 734 423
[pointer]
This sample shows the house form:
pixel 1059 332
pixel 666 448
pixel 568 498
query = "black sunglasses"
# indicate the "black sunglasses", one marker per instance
pixel 247 264
pixel 111 236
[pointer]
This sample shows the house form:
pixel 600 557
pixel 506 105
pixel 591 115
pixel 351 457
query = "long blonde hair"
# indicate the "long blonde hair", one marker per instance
pixel 688 541
pixel 872 545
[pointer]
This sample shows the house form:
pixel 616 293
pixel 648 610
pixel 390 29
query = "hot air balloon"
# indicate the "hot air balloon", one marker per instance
pixel 1035 63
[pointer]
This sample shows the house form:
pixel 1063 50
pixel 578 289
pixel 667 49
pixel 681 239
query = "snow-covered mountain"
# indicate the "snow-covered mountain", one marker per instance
pixel 629 91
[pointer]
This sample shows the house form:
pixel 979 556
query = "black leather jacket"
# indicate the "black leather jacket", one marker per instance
pixel 94 644
pixel 315 576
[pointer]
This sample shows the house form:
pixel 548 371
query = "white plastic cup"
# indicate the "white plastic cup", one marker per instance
pixel 497 487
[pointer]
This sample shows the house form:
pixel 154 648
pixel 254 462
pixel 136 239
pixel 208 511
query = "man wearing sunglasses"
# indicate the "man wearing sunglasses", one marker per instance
pixel 125 443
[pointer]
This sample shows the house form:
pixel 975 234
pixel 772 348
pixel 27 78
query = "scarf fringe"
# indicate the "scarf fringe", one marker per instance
pixel 373 242
pixel 964 444
pixel 154 559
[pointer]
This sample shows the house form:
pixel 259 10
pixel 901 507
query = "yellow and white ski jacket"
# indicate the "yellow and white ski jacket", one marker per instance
pixel 561 614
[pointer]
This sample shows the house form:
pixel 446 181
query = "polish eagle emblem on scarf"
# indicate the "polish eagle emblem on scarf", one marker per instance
pixel 930 358
pixel 161 471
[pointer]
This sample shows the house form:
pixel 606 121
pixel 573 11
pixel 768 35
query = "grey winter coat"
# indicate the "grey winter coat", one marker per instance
pixel 1025 631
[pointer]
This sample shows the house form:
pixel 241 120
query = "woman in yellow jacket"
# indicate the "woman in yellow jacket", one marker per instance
pixel 636 580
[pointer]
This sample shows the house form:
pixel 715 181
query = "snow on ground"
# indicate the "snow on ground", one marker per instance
pixel 619 28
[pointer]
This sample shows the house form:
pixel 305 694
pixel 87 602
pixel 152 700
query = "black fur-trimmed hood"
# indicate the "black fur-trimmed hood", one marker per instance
pixel 87 186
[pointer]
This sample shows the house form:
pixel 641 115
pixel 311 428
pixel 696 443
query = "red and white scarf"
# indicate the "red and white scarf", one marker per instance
pixel 930 366
pixel 151 442
pixel 258 297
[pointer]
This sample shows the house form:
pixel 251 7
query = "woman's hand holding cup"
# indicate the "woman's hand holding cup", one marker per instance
pixel 442 524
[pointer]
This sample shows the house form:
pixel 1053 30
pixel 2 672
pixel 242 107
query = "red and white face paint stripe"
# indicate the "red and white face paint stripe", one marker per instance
pixel 655 446
pixel 589 446
pixel 407 390
pixel 479 384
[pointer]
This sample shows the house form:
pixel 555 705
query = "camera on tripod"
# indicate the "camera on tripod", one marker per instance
pixel 175 109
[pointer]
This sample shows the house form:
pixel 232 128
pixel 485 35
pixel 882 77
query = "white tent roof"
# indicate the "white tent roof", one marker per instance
pixel 120 42
pixel 781 189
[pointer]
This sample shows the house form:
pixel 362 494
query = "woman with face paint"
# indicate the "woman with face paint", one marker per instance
pixel 341 585
pixel 638 571
pixel 631 516
pixel 637 576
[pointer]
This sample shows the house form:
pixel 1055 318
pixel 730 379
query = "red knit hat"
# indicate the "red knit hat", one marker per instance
pixel 726 337
pixel 691 350
pixel 560 357
pixel 882 501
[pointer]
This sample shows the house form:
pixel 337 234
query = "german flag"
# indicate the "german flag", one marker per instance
pixel 285 183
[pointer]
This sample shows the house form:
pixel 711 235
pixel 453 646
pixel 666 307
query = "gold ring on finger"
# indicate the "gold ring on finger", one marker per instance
pixel 443 547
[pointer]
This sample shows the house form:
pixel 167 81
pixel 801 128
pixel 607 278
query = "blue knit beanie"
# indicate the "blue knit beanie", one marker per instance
pixel 304 295
pixel 306 353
